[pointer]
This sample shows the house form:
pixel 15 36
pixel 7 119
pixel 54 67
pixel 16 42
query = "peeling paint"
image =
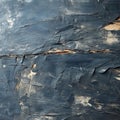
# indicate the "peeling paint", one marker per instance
pixel 111 39
pixel 114 26
pixel 84 100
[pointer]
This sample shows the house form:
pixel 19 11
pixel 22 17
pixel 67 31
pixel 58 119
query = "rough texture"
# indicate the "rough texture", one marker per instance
pixel 57 60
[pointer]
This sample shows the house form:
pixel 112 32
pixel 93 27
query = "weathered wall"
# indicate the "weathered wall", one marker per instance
pixel 57 60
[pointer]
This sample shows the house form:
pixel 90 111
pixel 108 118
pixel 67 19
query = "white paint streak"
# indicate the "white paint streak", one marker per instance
pixel 117 78
pixel 10 22
pixel 31 74
pixel 4 66
pixel 9 18
pixel 27 83
pixel 71 12
pixel 84 100
pixel 28 1
pixel 111 39
pixel 82 26
pixel 79 45
pixel 44 118
pixel 51 0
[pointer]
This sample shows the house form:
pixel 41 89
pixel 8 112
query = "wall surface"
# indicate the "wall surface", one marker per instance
pixel 59 60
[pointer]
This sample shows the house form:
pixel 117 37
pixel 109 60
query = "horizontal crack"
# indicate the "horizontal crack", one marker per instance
pixel 56 51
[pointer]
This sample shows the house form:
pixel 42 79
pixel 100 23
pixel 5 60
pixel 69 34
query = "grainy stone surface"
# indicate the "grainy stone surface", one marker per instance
pixel 57 62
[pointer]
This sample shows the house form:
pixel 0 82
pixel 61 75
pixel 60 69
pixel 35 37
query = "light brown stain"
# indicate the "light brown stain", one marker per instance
pixel 114 26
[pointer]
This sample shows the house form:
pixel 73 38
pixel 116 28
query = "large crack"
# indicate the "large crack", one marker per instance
pixel 56 51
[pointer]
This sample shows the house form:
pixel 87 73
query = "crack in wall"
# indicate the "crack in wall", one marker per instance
pixel 55 51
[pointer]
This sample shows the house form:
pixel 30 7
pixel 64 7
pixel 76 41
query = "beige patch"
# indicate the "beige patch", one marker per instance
pixel 111 39
pixel 34 66
pixel 114 26
pixel 84 100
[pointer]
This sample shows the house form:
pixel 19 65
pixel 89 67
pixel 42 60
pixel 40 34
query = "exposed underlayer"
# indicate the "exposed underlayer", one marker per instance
pixel 59 60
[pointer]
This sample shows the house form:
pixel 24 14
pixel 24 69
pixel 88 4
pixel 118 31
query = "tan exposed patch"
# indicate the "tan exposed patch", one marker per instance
pixel 114 26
